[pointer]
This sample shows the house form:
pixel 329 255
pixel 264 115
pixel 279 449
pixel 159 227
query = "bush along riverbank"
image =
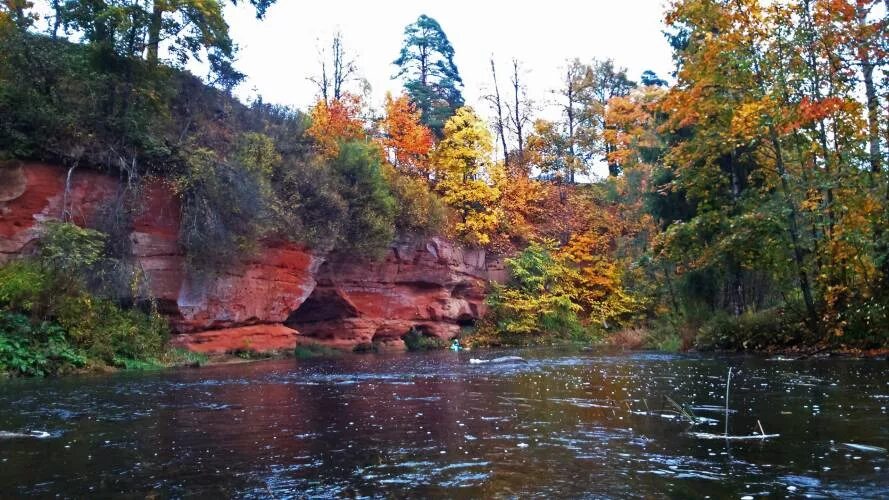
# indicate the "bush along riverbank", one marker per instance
pixel 58 315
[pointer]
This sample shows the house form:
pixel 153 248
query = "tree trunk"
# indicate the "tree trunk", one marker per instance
pixel 519 119
pixel 870 92
pixel 498 108
pixel 154 34
pixel 793 228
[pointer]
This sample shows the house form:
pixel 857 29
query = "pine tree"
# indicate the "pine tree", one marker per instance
pixel 431 78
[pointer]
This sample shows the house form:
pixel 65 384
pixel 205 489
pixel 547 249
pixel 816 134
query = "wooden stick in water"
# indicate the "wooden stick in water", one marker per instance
pixel 728 383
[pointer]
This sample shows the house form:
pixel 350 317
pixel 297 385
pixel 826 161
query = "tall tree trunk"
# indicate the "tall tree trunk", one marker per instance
pixel 793 228
pixel 154 33
pixel 518 118
pixel 498 109
pixel 57 19
pixel 870 92
pixel 571 157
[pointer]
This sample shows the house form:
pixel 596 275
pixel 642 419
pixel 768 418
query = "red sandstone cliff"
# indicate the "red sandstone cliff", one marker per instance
pixel 431 286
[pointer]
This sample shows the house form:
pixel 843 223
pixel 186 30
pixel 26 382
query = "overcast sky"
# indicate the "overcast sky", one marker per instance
pixel 280 52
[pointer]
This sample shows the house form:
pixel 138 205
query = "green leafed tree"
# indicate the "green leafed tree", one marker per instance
pixel 431 78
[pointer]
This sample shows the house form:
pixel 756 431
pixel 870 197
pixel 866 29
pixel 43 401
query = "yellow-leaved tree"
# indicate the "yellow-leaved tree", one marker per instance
pixel 465 175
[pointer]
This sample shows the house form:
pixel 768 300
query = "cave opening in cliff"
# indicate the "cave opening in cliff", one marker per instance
pixel 322 305
pixel 466 321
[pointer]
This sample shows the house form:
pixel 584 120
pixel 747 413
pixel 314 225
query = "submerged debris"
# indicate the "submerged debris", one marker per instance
pixel 502 359
pixel 708 435
pixel 22 435
pixel 866 447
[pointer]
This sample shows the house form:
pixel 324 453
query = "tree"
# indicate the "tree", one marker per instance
pixel 577 126
pixel 730 97
pixel 497 107
pixel 335 123
pixel 607 82
pixel 406 139
pixel 191 25
pixel 370 223
pixel 541 298
pixel 336 71
pixel 519 113
pixel 187 28
pixel 464 177
pixel 650 79
pixel 17 13
pixel 430 75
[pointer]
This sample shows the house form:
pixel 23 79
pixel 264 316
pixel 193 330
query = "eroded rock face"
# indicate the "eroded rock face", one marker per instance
pixel 33 193
pixel 432 287
pixel 259 293
pixel 258 338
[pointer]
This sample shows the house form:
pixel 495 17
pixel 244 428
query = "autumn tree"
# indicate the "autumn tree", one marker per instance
pixel 407 141
pixel 607 82
pixel 335 123
pixel 426 63
pixel 464 177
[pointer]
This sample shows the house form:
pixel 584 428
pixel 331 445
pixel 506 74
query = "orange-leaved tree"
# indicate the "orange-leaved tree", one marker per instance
pixel 406 140
pixel 336 122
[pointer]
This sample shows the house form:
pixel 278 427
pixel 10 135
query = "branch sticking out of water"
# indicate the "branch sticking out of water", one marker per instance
pixel 728 384
pixel 682 411
pixel 707 435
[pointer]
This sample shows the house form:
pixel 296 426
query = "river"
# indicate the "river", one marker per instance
pixel 561 424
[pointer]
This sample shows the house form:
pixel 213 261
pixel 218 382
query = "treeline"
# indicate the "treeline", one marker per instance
pixel 744 206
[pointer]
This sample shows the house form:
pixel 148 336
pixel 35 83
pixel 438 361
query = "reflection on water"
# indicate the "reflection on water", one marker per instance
pixel 564 423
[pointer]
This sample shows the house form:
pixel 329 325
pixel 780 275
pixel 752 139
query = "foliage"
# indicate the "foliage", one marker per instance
pixel 369 223
pixel 464 177
pixel 419 212
pixel 416 340
pixel 224 207
pixel 777 327
pixel 22 284
pixel 541 298
pixel 407 141
pixel 33 349
pixel 335 122
pixel 431 79
pixel 71 251
pixel 49 322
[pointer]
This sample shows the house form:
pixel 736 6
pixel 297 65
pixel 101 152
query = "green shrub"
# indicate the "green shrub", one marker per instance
pixel 225 208
pixel 37 349
pixel 415 340
pixel 776 327
pixel 51 323
pixel 418 211
pixel 541 300
pixel 309 206
pixel 22 284
pixel 71 250
pixel 370 223
pixel 308 351
pixel 866 325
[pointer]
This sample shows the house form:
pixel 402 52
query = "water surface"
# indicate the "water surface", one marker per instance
pixel 563 424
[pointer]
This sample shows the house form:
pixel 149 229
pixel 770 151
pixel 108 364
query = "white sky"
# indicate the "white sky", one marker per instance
pixel 280 52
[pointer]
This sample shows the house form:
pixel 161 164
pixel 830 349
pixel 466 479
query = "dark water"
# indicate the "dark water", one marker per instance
pixel 562 424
